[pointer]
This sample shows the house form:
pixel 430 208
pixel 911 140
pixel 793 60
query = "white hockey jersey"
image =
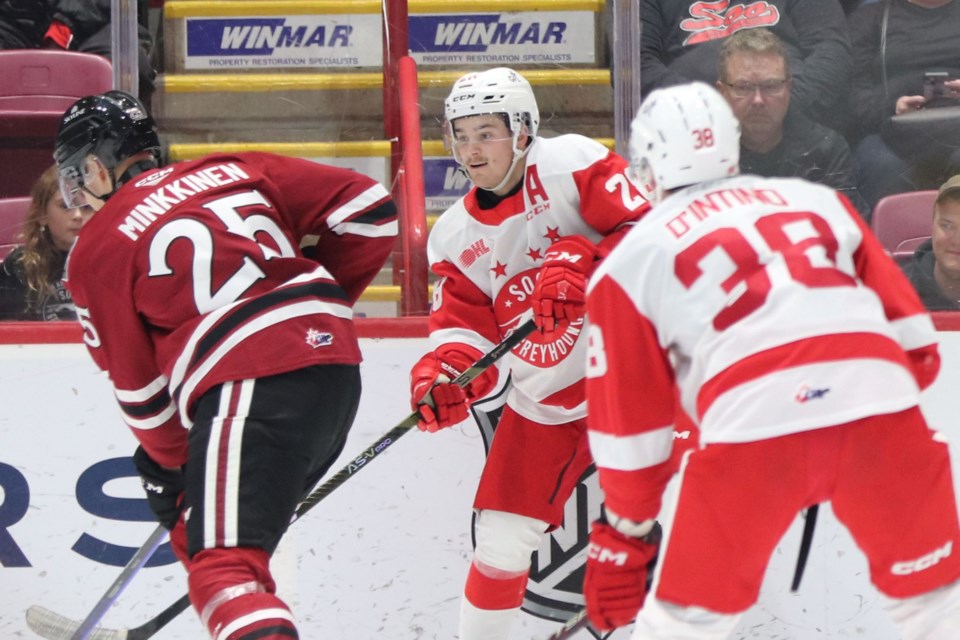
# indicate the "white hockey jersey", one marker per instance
pixel 772 308
pixel 487 262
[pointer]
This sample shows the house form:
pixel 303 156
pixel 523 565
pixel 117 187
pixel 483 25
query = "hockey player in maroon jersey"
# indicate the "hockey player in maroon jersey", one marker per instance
pixel 523 240
pixel 801 351
pixel 232 355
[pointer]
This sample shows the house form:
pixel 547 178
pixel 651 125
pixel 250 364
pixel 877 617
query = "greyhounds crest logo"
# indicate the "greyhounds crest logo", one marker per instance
pixel 555 588
pixel 537 349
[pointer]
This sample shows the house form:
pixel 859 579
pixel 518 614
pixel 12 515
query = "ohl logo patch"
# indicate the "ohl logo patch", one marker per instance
pixel 555 589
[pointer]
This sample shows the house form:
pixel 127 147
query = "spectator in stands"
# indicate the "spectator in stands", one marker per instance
pixel 849 6
pixel 73 25
pixel 31 276
pixel 777 141
pixel 894 43
pixel 23 23
pixel 682 38
pixel 934 268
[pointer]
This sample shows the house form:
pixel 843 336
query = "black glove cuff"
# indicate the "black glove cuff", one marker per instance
pixel 160 477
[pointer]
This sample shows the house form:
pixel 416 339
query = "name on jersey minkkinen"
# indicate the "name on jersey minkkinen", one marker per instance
pixel 168 196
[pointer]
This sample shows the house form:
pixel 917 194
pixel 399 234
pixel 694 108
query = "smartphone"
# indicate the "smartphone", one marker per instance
pixel 934 86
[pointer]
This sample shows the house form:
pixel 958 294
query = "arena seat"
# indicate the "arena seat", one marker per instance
pixel 36 87
pixel 12 213
pixel 902 221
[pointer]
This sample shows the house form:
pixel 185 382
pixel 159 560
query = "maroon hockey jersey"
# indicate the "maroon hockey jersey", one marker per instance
pixel 198 273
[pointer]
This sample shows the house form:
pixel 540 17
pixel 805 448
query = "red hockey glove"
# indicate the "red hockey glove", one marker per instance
pixel 561 289
pixel 431 382
pixel 616 579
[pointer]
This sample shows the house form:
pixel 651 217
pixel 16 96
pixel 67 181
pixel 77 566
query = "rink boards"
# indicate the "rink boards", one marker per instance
pixel 385 555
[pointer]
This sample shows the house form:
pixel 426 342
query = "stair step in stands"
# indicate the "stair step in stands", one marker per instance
pixel 443 182
pixel 348 106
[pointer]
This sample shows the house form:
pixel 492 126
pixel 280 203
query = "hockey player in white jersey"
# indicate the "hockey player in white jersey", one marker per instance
pixel 523 240
pixel 800 350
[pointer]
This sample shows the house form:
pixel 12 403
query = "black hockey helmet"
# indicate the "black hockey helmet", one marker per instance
pixel 111 126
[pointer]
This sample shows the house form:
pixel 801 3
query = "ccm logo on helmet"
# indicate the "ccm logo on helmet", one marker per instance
pixel 923 562
pixel 469 96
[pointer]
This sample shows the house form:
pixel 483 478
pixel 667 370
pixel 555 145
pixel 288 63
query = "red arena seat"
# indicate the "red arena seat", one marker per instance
pixel 902 221
pixel 36 87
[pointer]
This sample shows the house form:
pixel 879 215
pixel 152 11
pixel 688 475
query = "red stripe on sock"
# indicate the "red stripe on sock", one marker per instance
pixel 485 592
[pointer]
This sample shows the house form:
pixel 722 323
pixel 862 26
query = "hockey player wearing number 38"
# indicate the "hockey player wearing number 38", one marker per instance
pixel 799 348
pixel 525 238
pixel 232 353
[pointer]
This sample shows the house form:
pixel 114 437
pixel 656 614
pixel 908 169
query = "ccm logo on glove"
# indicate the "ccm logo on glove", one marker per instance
pixel 602 554
pixel 561 288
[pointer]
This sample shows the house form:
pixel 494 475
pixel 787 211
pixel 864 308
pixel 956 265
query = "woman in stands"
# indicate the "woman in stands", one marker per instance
pixel 31 286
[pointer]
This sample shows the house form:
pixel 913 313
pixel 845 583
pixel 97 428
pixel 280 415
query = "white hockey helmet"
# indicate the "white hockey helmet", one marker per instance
pixel 499 90
pixel 683 135
pixel 494 91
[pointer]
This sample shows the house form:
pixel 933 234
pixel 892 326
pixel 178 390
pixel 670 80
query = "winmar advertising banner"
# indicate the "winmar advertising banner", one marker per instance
pixel 355 41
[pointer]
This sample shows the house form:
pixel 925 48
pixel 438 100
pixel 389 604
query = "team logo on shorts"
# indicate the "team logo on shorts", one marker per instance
pixel 555 588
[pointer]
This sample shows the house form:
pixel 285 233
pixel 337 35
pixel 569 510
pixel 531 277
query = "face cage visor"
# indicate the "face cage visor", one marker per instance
pixel 70 181
pixel 451 144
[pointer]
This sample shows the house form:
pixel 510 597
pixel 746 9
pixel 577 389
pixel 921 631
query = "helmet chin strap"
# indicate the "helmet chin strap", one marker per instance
pixel 517 156
pixel 131 172
pixel 135 169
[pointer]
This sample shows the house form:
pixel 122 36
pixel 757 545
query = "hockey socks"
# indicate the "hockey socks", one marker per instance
pixel 234 592
pixel 491 599
pixel 254 616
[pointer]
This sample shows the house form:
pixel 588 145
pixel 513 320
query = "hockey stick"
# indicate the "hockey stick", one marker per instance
pixel 571 626
pixel 54 626
pixel 49 624
pixel 136 563
pixel 810 522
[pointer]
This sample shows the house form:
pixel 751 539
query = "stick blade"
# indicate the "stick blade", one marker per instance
pixel 53 626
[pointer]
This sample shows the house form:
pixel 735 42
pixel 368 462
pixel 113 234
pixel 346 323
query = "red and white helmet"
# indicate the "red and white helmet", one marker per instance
pixel 683 135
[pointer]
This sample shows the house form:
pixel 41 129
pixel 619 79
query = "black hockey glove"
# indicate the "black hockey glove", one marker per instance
pixel 163 486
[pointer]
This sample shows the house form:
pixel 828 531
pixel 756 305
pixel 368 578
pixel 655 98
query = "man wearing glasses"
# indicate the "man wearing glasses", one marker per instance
pixel 682 39
pixel 777 141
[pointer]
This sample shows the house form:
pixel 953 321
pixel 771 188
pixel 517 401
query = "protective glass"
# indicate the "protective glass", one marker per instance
pixel 71 187
pixel 768 89
pixel 461 142
pixel 458 142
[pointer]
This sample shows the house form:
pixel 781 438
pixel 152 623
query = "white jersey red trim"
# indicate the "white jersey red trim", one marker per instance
pixel 487 261
pixel 771 307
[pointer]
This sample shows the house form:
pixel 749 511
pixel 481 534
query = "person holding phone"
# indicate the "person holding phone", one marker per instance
pixel 900 49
